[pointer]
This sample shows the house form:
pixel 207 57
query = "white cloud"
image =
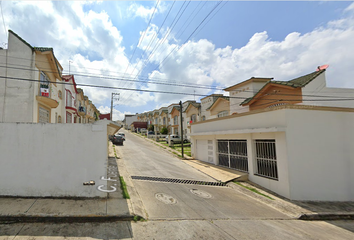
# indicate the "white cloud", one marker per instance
pixel 95 46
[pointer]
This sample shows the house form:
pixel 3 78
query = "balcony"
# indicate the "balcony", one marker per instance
pixel 44 97
pixel 82 111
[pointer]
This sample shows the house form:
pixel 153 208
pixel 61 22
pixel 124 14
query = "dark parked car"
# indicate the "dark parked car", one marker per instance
pixel 122 135
pixel 151 133
pixel 117 140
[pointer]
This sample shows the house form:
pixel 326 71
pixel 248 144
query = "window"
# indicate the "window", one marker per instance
pixel 156 120
pixel 68 117
pixel 164 121
pixel 203 118
pixel 175 120
pixel 56 117
pixel 266 159
pixel 193 118
pixel 233 154
pixel 59 119
pixel 43 115
pixel 44 85
pixel 223 114
pixel 60 94
pixel 68 99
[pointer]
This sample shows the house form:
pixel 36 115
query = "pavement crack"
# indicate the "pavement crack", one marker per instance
pixel 19 231
pixel 31 205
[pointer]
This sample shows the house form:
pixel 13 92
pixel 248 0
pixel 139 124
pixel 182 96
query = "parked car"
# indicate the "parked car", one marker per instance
pixel 175 139
pixel 117 140
pixel 151 133
pixel 122 135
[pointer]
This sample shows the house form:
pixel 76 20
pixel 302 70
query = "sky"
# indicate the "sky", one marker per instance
pixel 155 53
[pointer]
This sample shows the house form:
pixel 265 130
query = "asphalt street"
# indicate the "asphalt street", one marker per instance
pixel 184 201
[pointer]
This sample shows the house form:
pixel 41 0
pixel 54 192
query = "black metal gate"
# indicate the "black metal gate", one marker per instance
pixel 233 154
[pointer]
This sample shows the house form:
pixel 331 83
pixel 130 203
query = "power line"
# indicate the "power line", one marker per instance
pixel 142 37
pixel 165 92
pixel 195 86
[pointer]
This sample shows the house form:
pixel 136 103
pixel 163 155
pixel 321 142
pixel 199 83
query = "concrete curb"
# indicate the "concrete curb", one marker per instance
pixel 326 216
pixel 63 219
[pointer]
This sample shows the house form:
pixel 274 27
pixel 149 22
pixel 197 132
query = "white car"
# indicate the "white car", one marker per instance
pixel 175 139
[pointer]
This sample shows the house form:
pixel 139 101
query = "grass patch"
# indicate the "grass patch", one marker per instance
pixel 138 218
pixel 253 190
pixel 123 186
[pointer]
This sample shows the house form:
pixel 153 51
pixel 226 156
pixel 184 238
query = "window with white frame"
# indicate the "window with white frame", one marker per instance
pixel 164 121
pixel 223 114
pixel 266 158
pixel 175 120
pixel 68 99
pixel 203 118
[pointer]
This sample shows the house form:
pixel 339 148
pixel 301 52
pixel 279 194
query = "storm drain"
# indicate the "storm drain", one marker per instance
pixel 180 181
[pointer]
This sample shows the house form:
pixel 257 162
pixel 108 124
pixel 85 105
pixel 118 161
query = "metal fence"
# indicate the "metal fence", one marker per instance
pixel 233 154
pixel 266 158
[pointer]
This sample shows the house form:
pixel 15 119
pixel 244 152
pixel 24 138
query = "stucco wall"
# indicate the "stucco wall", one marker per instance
pixel 52 159
pixel 314 148
pixel 16 99
pixel 320 154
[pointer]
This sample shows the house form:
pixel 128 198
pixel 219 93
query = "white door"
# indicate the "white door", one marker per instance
pixel 202 150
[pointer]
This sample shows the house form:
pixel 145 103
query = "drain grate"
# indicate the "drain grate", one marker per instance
pixel 181 181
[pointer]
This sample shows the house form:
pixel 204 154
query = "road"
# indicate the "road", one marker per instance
pixel 184 211
pixel 184 201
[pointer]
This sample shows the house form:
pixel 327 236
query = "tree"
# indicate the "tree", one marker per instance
pixel 164 130
pixel 151 128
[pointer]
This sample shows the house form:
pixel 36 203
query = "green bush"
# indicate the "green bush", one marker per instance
pixel 164 130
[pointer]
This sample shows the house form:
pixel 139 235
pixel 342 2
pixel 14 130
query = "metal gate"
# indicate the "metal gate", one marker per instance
pixel 233 154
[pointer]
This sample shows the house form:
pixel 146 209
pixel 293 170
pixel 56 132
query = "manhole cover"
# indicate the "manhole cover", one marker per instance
pixel 200 193
pixel 165 198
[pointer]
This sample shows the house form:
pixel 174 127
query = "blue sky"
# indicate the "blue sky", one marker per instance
pixel 238 40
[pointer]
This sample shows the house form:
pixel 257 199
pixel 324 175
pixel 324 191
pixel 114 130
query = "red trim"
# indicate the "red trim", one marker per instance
pixel 73 109
pixel 67 78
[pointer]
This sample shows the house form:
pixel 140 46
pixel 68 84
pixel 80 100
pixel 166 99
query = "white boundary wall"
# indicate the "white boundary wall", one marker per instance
pixel 315 150
pixel 41 160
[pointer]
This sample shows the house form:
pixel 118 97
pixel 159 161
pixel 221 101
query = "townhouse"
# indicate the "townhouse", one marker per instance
pixel 289 136
pixel 33 89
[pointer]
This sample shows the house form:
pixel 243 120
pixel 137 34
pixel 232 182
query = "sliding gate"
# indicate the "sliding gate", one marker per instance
pixel 233 154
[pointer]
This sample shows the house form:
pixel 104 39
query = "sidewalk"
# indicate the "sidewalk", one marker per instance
pixel 112 208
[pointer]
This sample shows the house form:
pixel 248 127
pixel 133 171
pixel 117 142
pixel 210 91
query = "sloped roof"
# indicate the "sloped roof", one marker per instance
pixel 194 104
pixel 224 97
pixel 41 49
pixel 295 83
pixel 252 79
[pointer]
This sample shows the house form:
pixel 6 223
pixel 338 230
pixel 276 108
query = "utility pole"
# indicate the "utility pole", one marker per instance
pixel 116 98
pixel 180 113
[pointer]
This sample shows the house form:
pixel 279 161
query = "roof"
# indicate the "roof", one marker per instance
pixel 252 79
pixel 41 49
pixel 224 97
pixel 175 107
pixel 194 104
pixel 212 95
pixel 295 83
